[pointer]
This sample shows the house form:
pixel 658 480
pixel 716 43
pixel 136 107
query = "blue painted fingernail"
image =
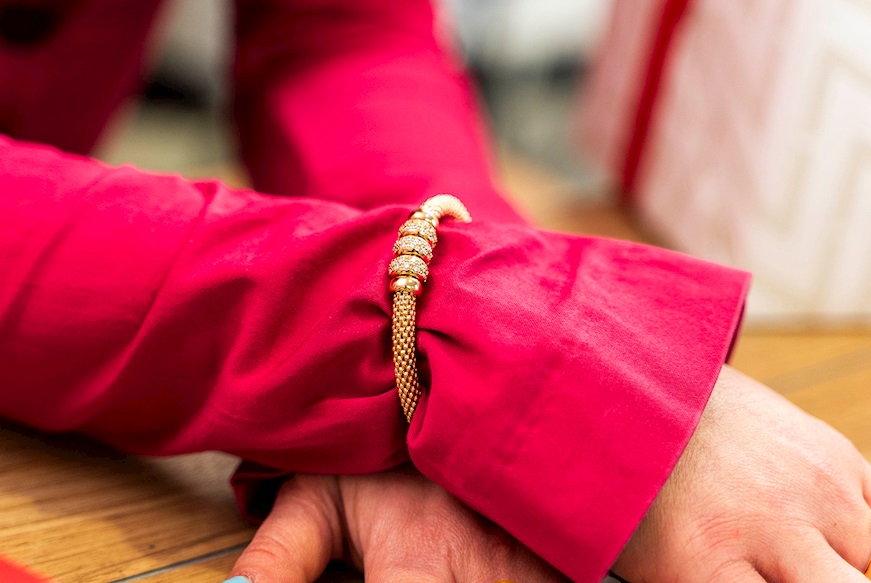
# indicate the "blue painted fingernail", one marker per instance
pixel 238 579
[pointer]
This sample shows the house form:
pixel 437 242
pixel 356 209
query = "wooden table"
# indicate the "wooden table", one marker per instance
pixel 80 513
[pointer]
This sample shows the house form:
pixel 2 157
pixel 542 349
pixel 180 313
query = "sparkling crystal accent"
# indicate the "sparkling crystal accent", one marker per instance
pixel 413 245
pixel 420 228
pixel 409 265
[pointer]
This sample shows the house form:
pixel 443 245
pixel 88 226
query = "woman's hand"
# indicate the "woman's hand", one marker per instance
pixel 396 527
pixel 763 492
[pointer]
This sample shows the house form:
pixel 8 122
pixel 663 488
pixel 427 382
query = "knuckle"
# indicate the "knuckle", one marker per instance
pixel 712 534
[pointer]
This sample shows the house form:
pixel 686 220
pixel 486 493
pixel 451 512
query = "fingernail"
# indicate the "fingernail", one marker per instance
pixel 238 579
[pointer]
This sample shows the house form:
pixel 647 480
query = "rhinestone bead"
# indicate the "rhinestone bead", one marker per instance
pixel 413 245
pixel 420 228
pixel 408 265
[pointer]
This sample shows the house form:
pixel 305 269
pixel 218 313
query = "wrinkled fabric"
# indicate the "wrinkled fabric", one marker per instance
pixel 564 375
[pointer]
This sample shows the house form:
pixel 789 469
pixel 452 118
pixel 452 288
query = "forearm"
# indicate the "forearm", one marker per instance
pixel 161 315
pixel 164 316
pixel 357 102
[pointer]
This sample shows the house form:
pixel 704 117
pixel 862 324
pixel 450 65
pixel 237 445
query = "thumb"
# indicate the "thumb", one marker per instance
pixel 297 539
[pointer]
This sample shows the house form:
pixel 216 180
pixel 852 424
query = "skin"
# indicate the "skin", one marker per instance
pixel 763 493
pixel 395 527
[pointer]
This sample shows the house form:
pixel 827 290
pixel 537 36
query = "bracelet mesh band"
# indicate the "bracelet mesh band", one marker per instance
pixel 408 271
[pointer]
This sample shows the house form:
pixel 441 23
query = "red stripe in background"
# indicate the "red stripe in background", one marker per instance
pixel 673 12
pixel 12 573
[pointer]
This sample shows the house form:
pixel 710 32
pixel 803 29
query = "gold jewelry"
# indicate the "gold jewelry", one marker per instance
pixel 408 271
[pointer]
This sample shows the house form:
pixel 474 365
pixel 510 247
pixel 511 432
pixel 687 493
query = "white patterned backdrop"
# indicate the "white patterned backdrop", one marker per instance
pixel 759 153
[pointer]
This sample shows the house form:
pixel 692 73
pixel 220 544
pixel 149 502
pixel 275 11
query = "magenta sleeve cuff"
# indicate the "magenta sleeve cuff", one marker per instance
pixel 560 404
pixel 566 375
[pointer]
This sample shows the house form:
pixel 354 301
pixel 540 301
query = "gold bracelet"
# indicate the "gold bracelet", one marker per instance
pixel 408 270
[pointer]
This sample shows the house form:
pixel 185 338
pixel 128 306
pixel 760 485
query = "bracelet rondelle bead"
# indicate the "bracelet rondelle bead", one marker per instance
pixel 413 245
pixel 406 283
pixel 408 265
pixel 419 228
pixel 424 216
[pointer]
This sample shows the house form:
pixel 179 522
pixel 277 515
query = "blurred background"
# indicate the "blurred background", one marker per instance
pixel 739 132
pixel 528 57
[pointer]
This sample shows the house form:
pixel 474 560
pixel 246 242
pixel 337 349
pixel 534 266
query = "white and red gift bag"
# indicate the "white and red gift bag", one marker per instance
pixel 740 131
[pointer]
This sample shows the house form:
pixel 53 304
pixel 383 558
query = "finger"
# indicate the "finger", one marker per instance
pixel 819 563
pixel 851 536
pixel 401 575
pixel 737 573
pixel 866 493
pixel 866 483
pixel 503 559
pixel 393 560
pixel 297 539
pixel 848 524
pixel 406 555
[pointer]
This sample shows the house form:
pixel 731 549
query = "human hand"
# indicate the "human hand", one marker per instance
pixel 396 527
pixel 763 492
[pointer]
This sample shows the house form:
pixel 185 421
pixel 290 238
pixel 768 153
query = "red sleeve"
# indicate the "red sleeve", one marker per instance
pixel 565 373
pixel 356 101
